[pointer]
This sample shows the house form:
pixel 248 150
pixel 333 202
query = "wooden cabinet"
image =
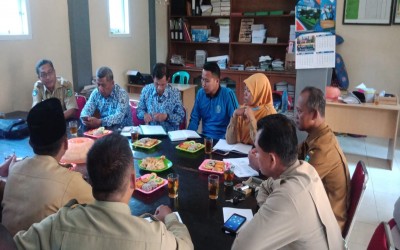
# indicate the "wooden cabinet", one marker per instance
pixel 277 25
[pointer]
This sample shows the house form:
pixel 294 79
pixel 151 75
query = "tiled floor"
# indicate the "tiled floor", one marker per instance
pixel 383 187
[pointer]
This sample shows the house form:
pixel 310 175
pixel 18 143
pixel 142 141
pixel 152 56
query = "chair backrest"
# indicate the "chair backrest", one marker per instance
pixel 133 105
pixel 358 184
pixel 382 237
pixel 183 123
pixel 183 77
pixel 81 101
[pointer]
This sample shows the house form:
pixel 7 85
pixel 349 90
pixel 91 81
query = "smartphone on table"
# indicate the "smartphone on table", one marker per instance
pixel 220 152
pixel 234 222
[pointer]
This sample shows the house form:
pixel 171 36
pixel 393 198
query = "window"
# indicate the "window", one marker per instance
pixel 118 11
pixel 14 20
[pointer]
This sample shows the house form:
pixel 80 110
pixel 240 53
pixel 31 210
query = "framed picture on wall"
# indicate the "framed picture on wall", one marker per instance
pixel 396 12
pixel 368 12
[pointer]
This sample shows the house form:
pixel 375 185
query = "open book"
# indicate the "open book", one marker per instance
pixel 180 135
pixel 152 130
pixel 238 147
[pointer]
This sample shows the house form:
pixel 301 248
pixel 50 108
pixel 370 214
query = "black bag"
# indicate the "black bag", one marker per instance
pixel 13 129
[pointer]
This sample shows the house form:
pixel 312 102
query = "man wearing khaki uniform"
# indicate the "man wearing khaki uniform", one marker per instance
pixel 321 149
pixel 49 85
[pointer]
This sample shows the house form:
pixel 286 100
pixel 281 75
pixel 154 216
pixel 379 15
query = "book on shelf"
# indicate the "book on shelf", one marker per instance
pixel 238 147
pixel 152 130
pixel 180 135
pixel 186 34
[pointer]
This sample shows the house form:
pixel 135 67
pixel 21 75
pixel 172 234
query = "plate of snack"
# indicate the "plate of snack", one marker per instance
pixel 150 183
pixel 97 133
pixel 146 142
pixel 155 164
pixel 213 166
pixel 190 146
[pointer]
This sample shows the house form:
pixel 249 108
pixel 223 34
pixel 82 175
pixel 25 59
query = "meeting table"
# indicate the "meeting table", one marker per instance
pixel 202 216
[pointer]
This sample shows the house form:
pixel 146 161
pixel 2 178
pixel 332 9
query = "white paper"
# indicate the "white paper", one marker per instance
pixel 228 211
pixel 152 130
pixel 242 167
pixel 238 147
pixel 179 135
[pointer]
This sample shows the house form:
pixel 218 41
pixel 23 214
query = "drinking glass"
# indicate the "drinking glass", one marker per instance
pixel 229 175
pixel 208 143
pixel 173 185
pixel 73 128
pixel 134 134
pixel 213 186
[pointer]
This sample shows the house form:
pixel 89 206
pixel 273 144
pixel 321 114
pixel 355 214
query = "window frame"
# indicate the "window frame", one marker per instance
pixel 126 18
pixel 27 36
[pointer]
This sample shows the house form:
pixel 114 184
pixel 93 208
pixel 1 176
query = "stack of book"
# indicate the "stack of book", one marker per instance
pixel 225 7
pixel 258 33
pixel 216 7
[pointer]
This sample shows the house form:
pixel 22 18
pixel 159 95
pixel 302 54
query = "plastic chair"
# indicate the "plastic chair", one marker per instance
pixel 382 237
pixel 81 101
pixel 182 125
pixel 133 105
pixel 182 76
pixel 358 185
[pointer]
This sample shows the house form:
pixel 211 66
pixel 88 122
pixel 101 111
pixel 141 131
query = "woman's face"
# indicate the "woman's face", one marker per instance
pixel 247 98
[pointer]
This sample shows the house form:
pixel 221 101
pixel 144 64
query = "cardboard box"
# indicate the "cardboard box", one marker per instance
pixel 387 100
pixel 290 61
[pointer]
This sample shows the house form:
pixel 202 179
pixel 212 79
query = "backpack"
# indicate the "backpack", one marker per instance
pixel 13 129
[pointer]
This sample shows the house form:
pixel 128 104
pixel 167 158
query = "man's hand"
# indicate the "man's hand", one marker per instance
pixel 253 159
pixel 159 117
pixel 161 212
pixel 92 122
pixel 7 165
pixel 147 118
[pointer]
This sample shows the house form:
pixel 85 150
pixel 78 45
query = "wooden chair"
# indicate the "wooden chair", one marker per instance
pixel 358 185
pixel 382 237
pixel 181 77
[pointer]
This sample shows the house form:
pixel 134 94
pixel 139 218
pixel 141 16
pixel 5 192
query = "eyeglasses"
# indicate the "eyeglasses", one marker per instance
pixel 46 74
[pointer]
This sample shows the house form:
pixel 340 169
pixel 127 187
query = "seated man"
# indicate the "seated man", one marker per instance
pixel 49 85
pixel 107 223
pixel 321 149
pixel 38 186
pixel 110 100
pixel 214 104
pixel 160 103
pixel 294 210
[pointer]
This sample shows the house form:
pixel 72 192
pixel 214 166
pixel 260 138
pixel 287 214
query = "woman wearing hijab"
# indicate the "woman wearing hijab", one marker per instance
pixel 258 103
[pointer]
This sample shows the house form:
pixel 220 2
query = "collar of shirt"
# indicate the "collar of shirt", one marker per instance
pixel 56 86
pixel 216 93
pixel 114 92
pixel 317 132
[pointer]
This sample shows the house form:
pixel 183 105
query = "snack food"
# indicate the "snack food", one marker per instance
pixel 98 131
pixel 153 163
pixel 146 142
pixel 149 182
pixel 218 166
pixel 190 145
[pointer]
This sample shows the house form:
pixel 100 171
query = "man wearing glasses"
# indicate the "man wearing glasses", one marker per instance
pixel 214 104
pixel 110 100
pixel 49 85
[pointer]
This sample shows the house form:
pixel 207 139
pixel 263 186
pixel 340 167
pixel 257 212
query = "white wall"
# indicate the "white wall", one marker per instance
pixel 371 54
pixel 50 40
pixel 161 32
pixel 123 53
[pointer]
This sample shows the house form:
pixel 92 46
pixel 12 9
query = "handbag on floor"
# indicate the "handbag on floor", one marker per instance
pixel 13 129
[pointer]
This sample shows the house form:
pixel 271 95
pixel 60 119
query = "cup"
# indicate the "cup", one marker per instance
pixel 73 128
pixel 134 134
pixel 229 175
pixel 208 143
pixel 213 186
pixel 173 185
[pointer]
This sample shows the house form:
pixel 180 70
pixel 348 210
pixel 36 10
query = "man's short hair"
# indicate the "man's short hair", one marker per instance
pixel 316 100
pixel 41 63
pixel 51 149
pixel 108 162
pixel 105 72
pixel 159 71
pixel 213 68
pixel 278 135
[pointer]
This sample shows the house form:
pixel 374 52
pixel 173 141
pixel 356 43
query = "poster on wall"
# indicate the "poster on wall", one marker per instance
pixel 315 50
pixel 367 12
pixel 316 16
